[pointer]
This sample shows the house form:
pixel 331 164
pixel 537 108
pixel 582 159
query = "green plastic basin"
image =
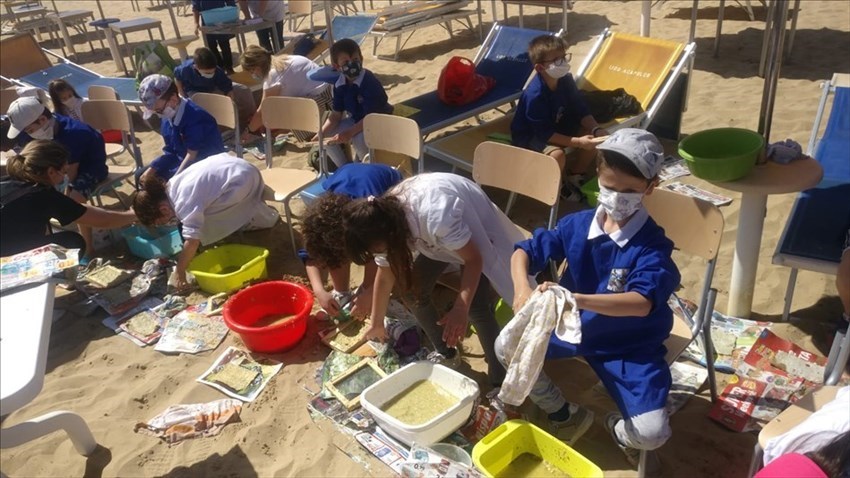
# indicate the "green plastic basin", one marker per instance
pixel 721 154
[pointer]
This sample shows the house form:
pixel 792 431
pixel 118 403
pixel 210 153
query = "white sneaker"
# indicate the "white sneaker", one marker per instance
pixel 571 429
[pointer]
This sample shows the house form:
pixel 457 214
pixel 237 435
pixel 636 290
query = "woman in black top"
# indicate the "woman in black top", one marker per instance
pixel 29 200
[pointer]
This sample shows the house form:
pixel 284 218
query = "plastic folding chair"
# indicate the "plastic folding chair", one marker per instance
pixel 394 141
pixel 224 110
pixel 302 114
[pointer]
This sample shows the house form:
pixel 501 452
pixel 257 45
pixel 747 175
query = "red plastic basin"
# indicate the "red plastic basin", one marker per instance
pixel 258 302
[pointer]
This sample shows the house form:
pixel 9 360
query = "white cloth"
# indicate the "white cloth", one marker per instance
pixel 274 12
pixel 293 79
pixel 445 211
pixel 526 337
pixel 216 197
pixel 813 433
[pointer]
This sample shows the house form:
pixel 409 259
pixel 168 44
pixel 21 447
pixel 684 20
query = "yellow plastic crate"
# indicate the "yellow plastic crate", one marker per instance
pixel 513 438
pixel 229 267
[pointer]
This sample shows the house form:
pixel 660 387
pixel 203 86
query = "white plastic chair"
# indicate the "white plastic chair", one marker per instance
pixel 224 110
pixel 393 141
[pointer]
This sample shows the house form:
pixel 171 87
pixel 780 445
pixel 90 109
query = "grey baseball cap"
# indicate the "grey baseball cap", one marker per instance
pixel 641 148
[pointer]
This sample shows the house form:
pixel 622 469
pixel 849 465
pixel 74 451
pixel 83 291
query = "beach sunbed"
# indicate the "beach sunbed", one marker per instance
pixel 24 360
pixel 302 114
pixel 814 234
pixel 24 63
pixel 564 5
pixel 647 68
pixel 408 17
pixel 504 57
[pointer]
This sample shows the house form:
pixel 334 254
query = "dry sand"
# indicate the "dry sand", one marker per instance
pixel 113 384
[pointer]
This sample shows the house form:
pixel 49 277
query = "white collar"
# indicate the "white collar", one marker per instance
pixel 180 109
pixel 621 236
pixel 341 80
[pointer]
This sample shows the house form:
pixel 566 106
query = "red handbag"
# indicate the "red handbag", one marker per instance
pixel 459 84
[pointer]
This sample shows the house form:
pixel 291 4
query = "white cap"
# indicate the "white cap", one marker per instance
pixel 22 113
pixel 641 148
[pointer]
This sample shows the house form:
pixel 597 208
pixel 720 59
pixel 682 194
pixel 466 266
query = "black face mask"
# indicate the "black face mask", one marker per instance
pixel 352 69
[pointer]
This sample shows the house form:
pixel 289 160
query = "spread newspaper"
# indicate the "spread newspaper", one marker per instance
pixel 36 265
pixel 240 374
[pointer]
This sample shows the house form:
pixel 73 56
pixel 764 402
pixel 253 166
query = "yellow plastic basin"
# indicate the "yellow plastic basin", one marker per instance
pixel 229 267
pixel 515 437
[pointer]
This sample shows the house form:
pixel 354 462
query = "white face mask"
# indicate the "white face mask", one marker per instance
pixel 207 75
pixel 256 77
pixel 72 102
pixel 558 71
pixel 63 185
pixel 45 132
pixel 381 259
pixel 619 206
pixel 168 113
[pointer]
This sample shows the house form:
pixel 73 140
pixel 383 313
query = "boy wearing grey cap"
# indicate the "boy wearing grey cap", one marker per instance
pixel 621 273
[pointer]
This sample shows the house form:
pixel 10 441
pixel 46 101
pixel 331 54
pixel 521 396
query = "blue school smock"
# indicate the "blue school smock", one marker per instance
pixel 627 353
pixel 195 129
pixel 542 112
pixel 360 180
pixel 194 82
pixel 362 96
pixel 84 144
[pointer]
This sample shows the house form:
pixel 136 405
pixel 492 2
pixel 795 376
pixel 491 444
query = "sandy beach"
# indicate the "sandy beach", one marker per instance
pixel 114 384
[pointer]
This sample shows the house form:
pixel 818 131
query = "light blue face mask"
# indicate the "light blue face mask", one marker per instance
pixel 63 185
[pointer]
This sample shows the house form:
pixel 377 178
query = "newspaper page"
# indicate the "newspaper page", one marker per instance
pixel 732 339
pixel 36 265
pixel 390 452
pixel 424 462
pixel 699 193
pixel 114 322
pixel 192 331
pixel 673 168
pixel 687 380
pixel 774 374
pixel 240 374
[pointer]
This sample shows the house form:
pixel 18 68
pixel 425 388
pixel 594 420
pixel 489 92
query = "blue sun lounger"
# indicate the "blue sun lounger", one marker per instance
pixel 814 235
pixel 504 57
pixel 24 63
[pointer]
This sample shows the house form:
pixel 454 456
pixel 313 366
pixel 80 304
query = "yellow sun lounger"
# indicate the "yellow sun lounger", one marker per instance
pixel 647 68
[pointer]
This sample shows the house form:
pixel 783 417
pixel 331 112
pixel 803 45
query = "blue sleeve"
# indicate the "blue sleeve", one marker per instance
pixel 536 114
pixel 576 99
pixel 338 100
pixel 374 97
pixel 546 245
pixel 655 275
pixel 222 81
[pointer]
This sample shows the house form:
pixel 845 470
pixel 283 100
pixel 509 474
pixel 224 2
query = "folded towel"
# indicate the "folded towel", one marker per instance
pixel 526 337
pixel 783 152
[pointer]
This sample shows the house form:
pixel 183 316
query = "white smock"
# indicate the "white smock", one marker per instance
pixel 814 432
pixel 446 211
pixel 275 10
pixel 216 197
pixel 293 80
pixel 526 337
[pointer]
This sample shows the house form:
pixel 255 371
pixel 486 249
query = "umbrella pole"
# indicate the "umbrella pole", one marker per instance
pixel 328 20
pixel 774 62
pixel 100 9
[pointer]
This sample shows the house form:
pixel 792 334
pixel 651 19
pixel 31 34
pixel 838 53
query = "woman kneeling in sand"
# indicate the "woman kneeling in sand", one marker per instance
pixel 211 200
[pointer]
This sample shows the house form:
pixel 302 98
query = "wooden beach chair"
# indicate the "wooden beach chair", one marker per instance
pixel 301 114
pixel 224 110
pixel 24 63
pixel 113 115
pixel 503 56
pixel 647 68
pixel 406 18
pixel 814 234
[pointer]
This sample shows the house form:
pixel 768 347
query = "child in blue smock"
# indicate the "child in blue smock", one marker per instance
pixel 552 115
pixel 357 93
pixel 190 133
pixel 621 273
pixel 323 241
pixel 201 74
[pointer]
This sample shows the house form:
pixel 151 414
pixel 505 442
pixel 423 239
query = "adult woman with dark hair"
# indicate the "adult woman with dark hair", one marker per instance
pixel 211 200
pixel 29 200
pixel 447 219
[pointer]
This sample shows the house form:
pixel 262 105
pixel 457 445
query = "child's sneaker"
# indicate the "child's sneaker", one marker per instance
pixel 571 193
pixel 571 429
pixel 632 454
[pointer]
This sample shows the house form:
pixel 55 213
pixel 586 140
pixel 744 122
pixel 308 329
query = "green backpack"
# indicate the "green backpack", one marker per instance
pixel 152 58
